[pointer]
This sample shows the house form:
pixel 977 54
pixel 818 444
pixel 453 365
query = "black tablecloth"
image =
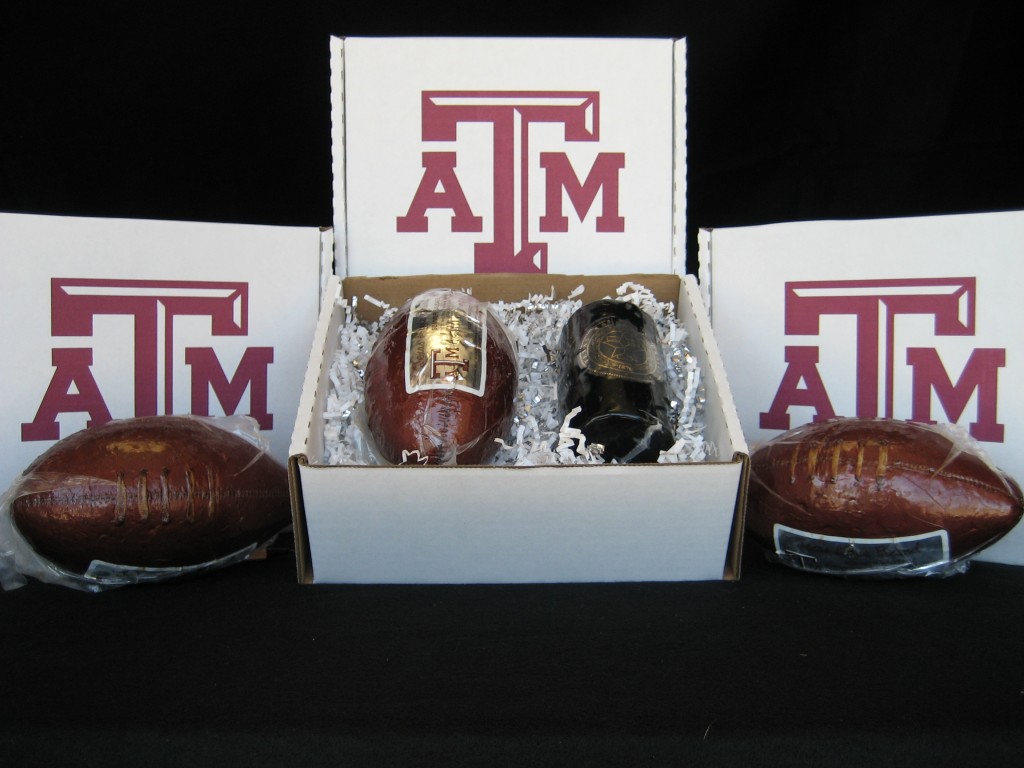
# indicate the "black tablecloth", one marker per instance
pixel 248 667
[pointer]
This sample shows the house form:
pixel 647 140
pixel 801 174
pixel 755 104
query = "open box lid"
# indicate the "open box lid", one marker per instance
pixel 911 318
pixel 461 155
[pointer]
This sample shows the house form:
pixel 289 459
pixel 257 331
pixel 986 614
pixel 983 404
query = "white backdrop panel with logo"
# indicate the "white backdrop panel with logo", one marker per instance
pixel 112 318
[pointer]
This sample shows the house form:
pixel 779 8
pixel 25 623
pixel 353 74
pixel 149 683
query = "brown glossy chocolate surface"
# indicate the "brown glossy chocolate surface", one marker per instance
pixel 876 478
pixel 161 491
pixel 444 425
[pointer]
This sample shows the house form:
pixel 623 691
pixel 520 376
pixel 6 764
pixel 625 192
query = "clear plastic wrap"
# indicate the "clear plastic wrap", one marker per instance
pixel 441 382
pixel 878 498
pixel 19 560
pixel 614 377
pixel 540 434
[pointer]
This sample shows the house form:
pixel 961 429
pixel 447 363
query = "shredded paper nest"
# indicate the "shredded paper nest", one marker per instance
pixel 540 434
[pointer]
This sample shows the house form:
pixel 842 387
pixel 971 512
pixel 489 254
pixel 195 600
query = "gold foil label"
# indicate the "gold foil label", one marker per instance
pixel 614 349
pixel 446 345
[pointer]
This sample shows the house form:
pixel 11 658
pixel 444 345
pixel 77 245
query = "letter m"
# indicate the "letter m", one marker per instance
pixel 251 374
pixel 603 178
pixel 981 375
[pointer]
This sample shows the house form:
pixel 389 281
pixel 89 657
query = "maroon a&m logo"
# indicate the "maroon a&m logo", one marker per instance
pixel 877 306
pixel 153 306
pixel 511 115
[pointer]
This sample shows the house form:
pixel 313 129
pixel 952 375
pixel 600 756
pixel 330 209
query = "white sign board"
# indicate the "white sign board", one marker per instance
pixel 114 318
pixel 508 155
pixel 917 318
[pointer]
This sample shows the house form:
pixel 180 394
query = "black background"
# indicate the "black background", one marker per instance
pixel 220 112
pixel 797 110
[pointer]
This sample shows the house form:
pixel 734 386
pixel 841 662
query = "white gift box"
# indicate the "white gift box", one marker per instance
pixel 509 167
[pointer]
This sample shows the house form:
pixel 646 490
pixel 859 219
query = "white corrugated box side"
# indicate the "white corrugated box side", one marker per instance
pixel 909 318
pixel 375 524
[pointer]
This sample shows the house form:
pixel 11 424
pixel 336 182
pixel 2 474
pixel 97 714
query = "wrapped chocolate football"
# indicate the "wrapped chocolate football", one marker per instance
pixel 145 499
pixel 441 382
pixel 613 378
pixel 878 497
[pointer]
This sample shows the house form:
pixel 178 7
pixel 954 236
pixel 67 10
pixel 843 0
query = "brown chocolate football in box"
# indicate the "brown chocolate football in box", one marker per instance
pixel 441 382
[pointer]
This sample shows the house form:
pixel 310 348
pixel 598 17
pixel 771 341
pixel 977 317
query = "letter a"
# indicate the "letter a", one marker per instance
pixel 802 367
pixel 72 370
pixel 440 188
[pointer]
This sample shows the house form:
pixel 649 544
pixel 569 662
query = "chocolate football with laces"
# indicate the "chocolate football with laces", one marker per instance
pixel 878 497
pixel 146 497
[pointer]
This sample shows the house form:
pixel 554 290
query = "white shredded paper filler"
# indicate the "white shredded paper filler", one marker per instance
pixel 540 435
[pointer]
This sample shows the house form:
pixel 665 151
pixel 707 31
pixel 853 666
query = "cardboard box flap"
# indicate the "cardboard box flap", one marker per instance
pixel 455 155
